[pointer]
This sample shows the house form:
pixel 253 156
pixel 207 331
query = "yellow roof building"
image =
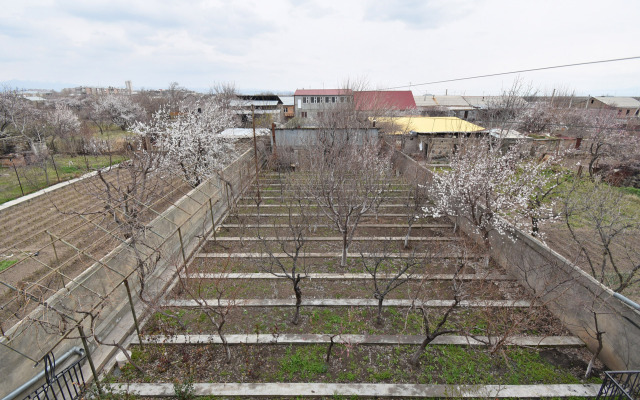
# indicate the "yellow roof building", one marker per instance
pixel 426 125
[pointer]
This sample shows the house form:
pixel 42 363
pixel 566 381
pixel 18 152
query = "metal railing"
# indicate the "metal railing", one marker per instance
pixel 65 385
pixel 620 385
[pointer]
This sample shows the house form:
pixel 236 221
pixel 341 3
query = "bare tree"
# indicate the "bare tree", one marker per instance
pixel 503 112
pixel 607 140
pixel 292 243
pixel 604 225
pixel 387 275
pixel 436 322
pixel 347 180
pixel 413 206
pixel 224 294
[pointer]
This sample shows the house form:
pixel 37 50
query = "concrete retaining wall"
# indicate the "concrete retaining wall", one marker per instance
pixel 570 293
pixel 98 290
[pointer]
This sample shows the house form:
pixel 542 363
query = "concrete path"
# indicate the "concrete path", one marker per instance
pixel 415 226
pixel 248 205
pixel 334 255
pixel 368 214
pixel 337 238
pixel 253 390
pixel 528 341
pixel 330 276
pixel 346 303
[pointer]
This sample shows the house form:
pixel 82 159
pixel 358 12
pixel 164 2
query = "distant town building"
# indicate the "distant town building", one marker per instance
pixel 288 107
pixel 262 105
pixel 384 100
pixel 626 106
pixel 95 90
pixel 312 103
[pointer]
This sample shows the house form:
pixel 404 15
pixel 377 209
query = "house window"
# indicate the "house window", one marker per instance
pixel 628 112
pixel 304 100
pixel 303 114
pixel 326 99
pixel 341 99
pixel 591 101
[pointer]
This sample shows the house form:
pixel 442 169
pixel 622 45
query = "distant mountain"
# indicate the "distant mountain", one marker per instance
pixel 22 84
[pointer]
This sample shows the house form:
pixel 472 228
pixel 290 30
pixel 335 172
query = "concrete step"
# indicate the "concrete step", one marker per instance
pixel 405 226
pixel 337 254
pixel 337 239
pixel 374 390
pixel 348 276
pixel 345 303
pixel 252 338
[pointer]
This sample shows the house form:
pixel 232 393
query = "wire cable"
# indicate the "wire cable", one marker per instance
pixel 515 72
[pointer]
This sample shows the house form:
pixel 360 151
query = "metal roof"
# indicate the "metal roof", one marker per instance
pixel 484 102
pixel 287 100
pixel 257 111
pixel 323 92
pixel 506 134
pixel 237 133
pixel 405 125
pixel 477 101
pixel 258 103
pixel 426 100
pixel 620 102
pixel 451 101
pixel 381 99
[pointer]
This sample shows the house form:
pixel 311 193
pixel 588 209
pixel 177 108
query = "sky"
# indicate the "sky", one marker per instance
pixel 284 45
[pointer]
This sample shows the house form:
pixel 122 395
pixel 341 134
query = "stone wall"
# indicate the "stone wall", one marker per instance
pixel 571 294
pixel 99 290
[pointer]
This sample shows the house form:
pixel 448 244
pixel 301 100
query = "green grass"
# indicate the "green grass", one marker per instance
pixel 4 264
pixel 33 177
pixel 631 190
pixel 304 361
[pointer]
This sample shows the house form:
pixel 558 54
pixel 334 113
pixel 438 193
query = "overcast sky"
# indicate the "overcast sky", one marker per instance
pixel 282 45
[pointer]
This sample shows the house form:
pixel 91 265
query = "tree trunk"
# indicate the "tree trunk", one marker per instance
pixel 415 358
pixel 226 346
pixel 343 261
pixel 406 238
pixel 298 292
pixel 587 374
pixel 379 320
pixel 46 173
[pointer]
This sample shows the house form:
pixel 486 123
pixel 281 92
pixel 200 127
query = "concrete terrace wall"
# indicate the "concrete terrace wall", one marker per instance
pixel 99 290
pixel 570 293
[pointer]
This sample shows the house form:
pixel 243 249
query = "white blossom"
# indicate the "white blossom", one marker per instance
pixel 190 140
pixel 491 188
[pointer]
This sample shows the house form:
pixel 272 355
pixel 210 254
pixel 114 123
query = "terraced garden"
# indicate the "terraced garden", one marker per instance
pixel 265 309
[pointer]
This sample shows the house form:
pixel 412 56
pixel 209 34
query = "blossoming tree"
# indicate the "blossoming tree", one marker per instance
pixel 191 141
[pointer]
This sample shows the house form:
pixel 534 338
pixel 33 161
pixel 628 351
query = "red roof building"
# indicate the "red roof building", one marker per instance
pixel 373 100
pixel 323 92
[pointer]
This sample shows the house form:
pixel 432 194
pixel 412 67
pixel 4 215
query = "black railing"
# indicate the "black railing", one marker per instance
pixel 65 385
pixel 620 385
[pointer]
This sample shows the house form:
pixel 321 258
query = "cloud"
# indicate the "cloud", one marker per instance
pixel 421 14
pixel 285 44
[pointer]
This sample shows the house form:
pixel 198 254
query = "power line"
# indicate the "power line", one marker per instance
pixel 515 72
